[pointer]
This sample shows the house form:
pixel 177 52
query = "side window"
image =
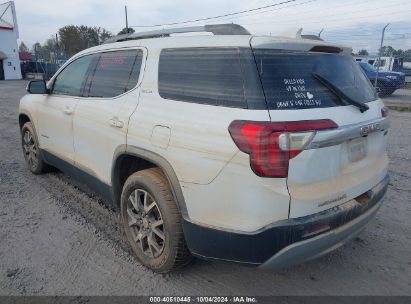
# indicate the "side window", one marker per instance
pixel 202 75
pixel 71 80
pixel 115 73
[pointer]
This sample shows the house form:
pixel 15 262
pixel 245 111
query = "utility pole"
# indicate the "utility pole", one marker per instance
pixel 57 49
pixel 35 54
pixel 379 55
pixel 125 9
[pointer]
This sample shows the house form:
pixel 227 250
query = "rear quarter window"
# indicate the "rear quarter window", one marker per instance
pixel 211 76
pixel 288 81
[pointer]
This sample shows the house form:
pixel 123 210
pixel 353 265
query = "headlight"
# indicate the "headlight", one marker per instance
pixel 392 77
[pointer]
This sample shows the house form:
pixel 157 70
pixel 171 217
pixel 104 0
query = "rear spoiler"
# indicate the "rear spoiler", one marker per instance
pixel 297 44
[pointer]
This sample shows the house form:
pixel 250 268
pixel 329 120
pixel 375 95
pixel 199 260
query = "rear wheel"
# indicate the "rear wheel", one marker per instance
pixel 31 150
pixel 390 91
pixel 152 223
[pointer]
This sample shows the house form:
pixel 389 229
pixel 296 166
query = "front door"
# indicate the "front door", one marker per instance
pixel 55 113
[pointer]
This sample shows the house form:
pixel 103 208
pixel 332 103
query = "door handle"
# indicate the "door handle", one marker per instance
pixel 115 122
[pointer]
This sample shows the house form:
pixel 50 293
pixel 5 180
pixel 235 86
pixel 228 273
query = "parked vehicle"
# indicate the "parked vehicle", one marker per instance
pixel 228 146
pixel 387 82
pixel 46 69
pixel 392 64
pixel 387 64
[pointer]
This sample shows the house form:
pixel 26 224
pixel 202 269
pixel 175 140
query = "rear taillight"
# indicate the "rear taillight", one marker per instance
pixel 384 111
pixel 272 144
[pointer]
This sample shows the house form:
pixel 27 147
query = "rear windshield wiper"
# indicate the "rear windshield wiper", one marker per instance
pixel 340 94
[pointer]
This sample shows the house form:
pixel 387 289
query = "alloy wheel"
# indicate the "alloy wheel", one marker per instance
pixel 30 149
pixel 146 223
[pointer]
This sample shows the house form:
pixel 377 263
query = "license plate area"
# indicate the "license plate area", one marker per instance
pixel 357 149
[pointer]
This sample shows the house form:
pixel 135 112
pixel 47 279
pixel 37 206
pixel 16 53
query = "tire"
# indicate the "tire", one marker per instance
pixel 390 92
pixel 160 247
pixel 382 89
pixel 31 151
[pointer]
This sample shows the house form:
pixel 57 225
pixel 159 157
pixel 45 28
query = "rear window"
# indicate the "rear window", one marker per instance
pixel 210 76
pixel 288 81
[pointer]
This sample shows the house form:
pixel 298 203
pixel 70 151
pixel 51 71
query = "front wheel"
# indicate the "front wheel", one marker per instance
pixel 382 89
pixel 152 221
pixel 31 150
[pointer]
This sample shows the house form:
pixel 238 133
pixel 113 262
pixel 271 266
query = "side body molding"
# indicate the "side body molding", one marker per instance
pixel 158 161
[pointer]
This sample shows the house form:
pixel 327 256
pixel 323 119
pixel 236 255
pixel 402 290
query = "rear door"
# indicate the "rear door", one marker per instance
pixel 101 117
pixel 335 165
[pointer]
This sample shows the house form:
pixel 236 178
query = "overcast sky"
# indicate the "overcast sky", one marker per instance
pixel 356 23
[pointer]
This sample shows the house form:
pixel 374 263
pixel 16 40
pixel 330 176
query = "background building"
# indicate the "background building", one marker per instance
pixel 9 33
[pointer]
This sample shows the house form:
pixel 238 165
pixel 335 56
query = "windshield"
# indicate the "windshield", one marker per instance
pixel 380 63
pixel 368 67
pixel 288 80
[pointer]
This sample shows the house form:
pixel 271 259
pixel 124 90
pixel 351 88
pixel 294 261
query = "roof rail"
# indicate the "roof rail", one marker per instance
pixel 216 29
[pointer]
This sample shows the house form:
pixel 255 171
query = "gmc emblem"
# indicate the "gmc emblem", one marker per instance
pixel 364 131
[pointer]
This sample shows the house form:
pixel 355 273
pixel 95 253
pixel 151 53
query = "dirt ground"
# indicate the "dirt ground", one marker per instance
pixel 58 240
pixel 399 96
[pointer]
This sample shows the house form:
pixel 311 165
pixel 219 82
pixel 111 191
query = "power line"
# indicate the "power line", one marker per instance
pixel 359 35
pixel 314 10
pixel 215 17
pixel 342 34
pixel 360 39
pixel 267 11
pixel 304 21
pixel 324 18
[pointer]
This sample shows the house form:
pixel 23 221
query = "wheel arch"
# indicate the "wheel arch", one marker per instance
pixel 23 118
pixel 146 159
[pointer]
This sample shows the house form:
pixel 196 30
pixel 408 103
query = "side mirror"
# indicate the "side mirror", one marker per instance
pixel 37 87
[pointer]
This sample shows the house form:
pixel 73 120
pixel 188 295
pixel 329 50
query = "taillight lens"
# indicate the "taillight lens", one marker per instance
pixel 272 144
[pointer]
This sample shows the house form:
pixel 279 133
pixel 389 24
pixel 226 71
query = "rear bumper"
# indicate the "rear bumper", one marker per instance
pixel 322 244
pixel 287 242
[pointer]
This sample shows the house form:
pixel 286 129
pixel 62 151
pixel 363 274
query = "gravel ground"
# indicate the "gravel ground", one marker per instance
pixel 58 240
pixel 401 96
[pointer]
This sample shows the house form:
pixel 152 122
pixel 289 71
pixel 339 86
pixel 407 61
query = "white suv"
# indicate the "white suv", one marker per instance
pixel 261 150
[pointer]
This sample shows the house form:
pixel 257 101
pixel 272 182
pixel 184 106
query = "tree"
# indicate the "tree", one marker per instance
pixel 51 43
pixel 89 36
pixel 70 39
pixel 407 55
pixel 74 39
pixel 125 31
pixel 387 51
pixel 23 48
pixel 390 51
pixel 104 35
pixel 36 49
pixel 363 52
pixel 49 49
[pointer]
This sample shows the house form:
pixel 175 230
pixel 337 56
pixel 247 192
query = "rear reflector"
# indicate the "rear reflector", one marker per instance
pixel 272 144
pixel 313 230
